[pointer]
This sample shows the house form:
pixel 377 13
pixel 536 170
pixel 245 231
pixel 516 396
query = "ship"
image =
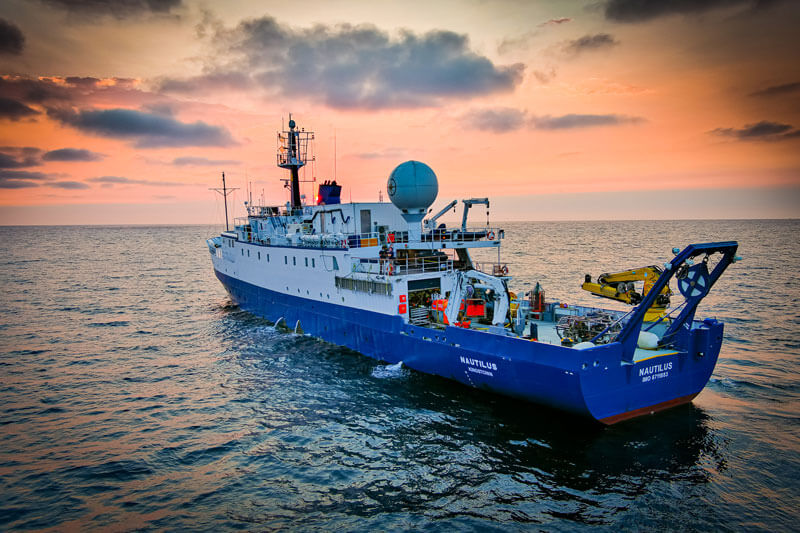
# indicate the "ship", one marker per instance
pixel 389 281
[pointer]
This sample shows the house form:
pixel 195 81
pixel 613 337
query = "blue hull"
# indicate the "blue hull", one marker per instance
pixel 594 383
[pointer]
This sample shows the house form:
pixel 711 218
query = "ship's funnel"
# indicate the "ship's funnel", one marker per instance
pixel 412 187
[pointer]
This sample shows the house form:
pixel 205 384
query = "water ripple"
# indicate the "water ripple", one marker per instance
pixel 137 398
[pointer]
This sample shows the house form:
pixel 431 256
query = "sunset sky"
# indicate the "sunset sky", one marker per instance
pixel 127 112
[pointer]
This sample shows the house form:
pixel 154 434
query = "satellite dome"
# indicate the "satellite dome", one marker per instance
pixel 412 187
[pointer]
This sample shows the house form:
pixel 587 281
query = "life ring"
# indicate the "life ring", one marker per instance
pixel 490 235
pixel 504 270
pixel 390 269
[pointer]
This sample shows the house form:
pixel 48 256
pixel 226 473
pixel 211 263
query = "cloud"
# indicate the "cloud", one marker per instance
pixel 574 120
pixel 33 90
pixel 110 181
pixel 61 92
pixel 351 67
pixel 24 175
pixel 760 131
pixel 643 10
pixel 208 82
pixel 202 161
pixel 115 8
pixel 19 157
pixel 777 90
pixel 521 42
pixel 6 183
pixel 388 153
pixel 12 41
pixel 14 110
pixel 146 129
pixel 545 76
pixel 20 179
pixel 72 185
pixel 589 42
pixel 557 21
pixel 503 119
pixel 498 120
pixel 72 154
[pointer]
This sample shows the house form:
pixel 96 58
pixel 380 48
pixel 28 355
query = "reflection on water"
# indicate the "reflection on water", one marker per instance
pixel 135 396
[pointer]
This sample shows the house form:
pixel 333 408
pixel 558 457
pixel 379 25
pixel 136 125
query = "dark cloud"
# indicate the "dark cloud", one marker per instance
pixel 498 120
pixel 147 130
pixel 23 175
pixel 760 131
pixel 72 154
pixel 72 185
pixel 110 181
pixel 202 161
pixel 6 183
pixel 590 42
pixel 348 66
pixel 115 8
pixel 23 96
pixel 14 110
pixel 778 90
pixel 574 120
pixel 642 10
pixel 20 179
pixel 85 82
pixel 33 90
pixel 12 41
pixel 19 157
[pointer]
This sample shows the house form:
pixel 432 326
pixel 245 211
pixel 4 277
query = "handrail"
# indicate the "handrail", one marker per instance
pixel 468 235
pixel 401 266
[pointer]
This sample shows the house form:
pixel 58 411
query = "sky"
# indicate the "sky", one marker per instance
pixel 127 112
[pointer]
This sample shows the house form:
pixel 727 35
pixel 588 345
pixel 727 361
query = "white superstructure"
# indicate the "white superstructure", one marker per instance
pixel 369 255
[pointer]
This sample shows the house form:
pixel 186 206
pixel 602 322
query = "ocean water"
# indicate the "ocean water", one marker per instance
pixel 135 396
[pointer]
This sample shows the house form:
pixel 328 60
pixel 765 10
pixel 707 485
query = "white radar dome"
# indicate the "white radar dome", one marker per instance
pixel 412 187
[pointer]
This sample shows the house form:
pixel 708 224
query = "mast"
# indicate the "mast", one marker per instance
pixel 225 192
pixel 295 167
pixel 292 155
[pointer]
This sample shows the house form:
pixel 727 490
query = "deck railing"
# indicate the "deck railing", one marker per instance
pixel 308 239
pixel 400 266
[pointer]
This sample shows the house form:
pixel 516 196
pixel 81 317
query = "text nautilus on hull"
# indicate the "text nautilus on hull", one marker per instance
pixel 388 280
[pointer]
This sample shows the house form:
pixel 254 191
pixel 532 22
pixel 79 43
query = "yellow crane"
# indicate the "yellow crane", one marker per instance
pixel 621 286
